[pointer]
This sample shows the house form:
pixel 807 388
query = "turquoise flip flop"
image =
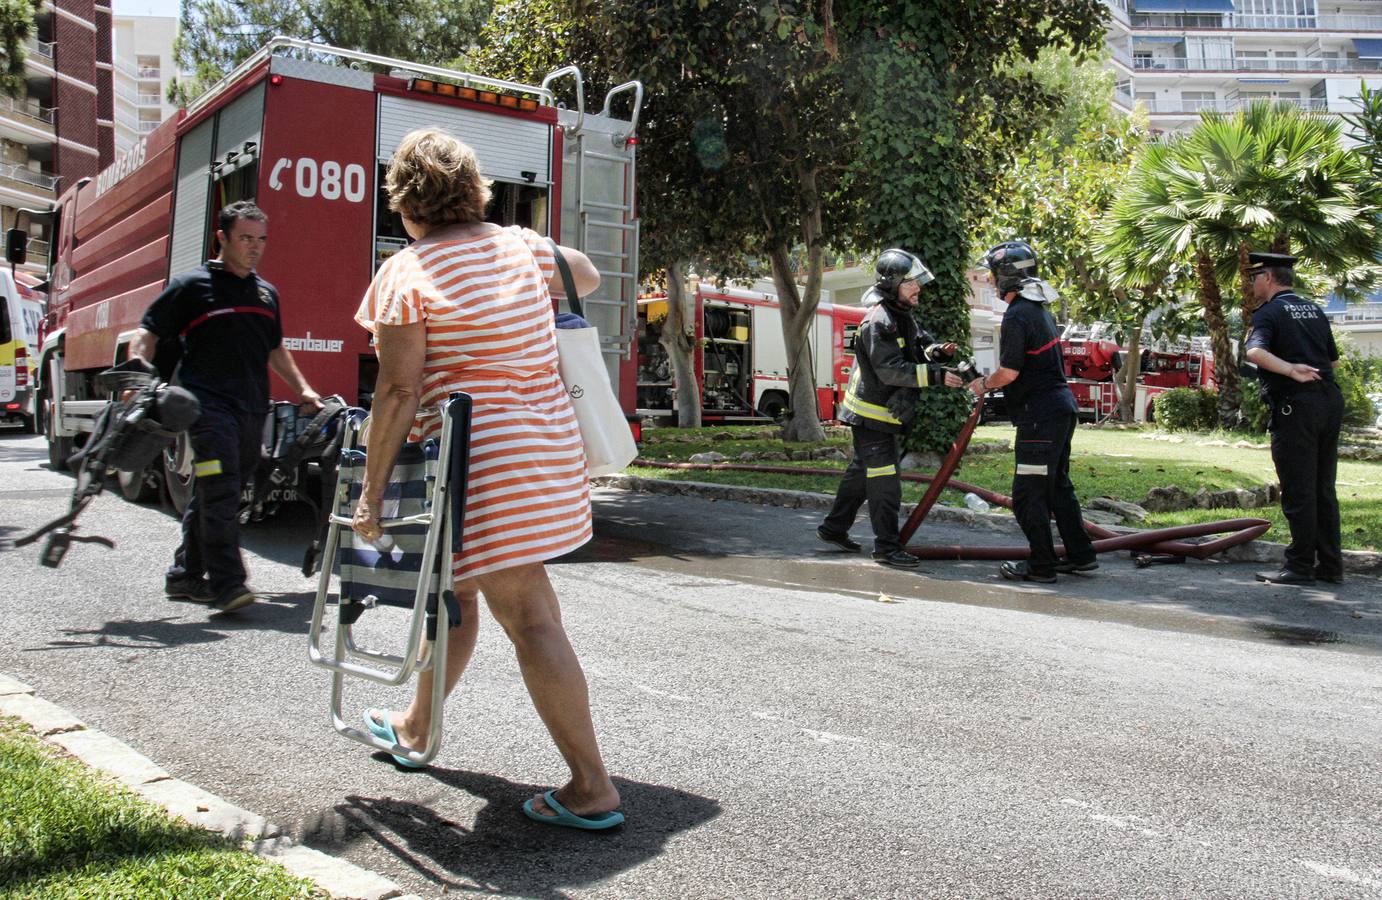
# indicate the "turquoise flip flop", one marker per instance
pixel 383 729
pixel 567 819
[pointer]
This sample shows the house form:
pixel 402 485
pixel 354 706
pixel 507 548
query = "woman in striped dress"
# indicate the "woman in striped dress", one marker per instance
pixel 467 307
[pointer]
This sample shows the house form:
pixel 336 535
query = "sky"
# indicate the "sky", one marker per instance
pixel 145 7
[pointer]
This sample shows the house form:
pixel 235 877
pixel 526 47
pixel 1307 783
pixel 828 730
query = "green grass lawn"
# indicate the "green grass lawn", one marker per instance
pixel 1122 464
pixel 66 832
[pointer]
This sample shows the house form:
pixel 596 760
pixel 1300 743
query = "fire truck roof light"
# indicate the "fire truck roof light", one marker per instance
pixel 475 95
pixel 275 80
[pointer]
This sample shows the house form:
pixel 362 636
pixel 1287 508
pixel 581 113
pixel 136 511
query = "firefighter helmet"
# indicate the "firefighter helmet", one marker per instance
pixel 896 266
pixel 1011 262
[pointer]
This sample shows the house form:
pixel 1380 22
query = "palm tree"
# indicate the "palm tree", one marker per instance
pixel 1270 176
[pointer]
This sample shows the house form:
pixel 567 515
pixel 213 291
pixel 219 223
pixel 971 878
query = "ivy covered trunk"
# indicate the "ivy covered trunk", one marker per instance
pixel 679 339
pixel 1225 367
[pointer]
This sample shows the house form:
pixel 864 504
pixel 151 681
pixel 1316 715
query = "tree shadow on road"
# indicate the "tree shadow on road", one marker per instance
pixel 502 851
pixel 288 613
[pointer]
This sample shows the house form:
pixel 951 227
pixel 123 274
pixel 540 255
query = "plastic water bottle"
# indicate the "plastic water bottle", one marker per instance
pixel 976 503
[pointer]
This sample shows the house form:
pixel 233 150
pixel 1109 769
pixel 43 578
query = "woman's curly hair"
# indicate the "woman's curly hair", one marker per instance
pixel 435 179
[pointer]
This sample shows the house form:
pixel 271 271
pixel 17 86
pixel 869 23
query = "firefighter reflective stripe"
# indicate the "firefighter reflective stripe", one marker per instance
pixel 902 342
pixel 877 471
pixel 210 467
pixel 1030 469
pixel 869 410
pixel 863 407
pixel 923 376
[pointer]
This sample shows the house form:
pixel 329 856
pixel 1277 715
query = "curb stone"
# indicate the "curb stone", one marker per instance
pixel 1361 562
pixel 98 750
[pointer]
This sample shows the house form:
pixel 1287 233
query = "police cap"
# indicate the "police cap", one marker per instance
pixel 1259 261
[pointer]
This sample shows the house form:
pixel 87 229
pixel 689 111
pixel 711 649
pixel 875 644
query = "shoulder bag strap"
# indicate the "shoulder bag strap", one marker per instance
pixel 573 299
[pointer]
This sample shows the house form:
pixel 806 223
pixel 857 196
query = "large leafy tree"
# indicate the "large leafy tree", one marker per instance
pixel 1268 177
pixel 16 26
pixel 833 124
pixel 744 141
pixel 216 35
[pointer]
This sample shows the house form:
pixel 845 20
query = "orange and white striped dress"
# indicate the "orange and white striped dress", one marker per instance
pixel 491 333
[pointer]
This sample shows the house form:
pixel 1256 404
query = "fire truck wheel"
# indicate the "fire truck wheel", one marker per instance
pixel 177 472
pixel 773 404
pixel 138 487
pixel 59 448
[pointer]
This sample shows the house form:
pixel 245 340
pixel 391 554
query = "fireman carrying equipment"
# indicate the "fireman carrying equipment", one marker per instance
pixel 128 436
pixel 894 359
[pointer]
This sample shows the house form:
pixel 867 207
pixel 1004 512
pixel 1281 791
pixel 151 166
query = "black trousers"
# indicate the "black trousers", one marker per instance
pixel 1042 488
pixel 1305 450
pixel 872 476
pixel 226 450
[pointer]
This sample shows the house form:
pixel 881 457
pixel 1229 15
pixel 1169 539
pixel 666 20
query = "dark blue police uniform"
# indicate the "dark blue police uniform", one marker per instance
pixel 1043 408
pixel 226 327
pixel 1305 423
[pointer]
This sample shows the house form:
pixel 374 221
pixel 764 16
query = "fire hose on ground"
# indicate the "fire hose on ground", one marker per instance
pixel 1148 547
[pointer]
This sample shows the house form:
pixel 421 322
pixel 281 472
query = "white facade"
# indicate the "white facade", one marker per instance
pixel 1178 57
pixel 144 65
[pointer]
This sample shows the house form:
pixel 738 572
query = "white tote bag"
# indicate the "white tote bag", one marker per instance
pixel 609 445
pixel 608 440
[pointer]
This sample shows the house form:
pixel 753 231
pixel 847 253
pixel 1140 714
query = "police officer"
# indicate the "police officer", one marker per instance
pixel 1293 348
pixel 1032 375
pixel 225 321
pixel 894 358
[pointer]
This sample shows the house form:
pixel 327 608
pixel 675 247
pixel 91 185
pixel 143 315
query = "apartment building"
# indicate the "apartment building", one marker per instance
pixel 143 68
pixel 1178 57
pixel 62 129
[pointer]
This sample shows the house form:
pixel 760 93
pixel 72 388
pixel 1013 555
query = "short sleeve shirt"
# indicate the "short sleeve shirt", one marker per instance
pixel 227 327
pixel 1294 329
pixel 1030 343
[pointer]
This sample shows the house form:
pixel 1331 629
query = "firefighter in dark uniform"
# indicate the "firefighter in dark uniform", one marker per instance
pixel 894 358
pixel 1293 348
pixel 225 321
pixel 1032 375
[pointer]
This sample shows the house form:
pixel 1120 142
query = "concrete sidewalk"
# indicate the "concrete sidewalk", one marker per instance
pixel 341 879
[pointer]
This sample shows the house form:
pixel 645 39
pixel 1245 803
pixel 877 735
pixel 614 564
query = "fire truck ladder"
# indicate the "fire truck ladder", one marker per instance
pixel 607 219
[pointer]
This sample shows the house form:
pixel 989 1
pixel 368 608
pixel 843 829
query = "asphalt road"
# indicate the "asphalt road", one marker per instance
pixel 783 720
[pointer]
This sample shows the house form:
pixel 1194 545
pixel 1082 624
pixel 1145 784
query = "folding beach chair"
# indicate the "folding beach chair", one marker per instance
pixel 424 506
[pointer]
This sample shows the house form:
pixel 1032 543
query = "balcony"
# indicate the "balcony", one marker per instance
pixel 146 125
pixel 1174 106
pixel 150 99
pixel 27 108
pixel 1251 22
pixel 39 48
pixel 152 73
pixel 1246 64
pixel 25 179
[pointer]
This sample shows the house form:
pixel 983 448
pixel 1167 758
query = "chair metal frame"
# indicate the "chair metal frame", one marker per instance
pixel 443 520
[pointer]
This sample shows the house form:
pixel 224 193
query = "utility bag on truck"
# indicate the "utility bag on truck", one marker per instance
pixel 410 568
pixel 128 435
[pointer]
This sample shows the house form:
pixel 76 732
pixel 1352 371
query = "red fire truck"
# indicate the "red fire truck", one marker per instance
pixel 306 131
pixel 1091 360
pixel 741 356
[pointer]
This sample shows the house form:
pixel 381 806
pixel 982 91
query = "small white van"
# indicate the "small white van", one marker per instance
pixel 21 311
